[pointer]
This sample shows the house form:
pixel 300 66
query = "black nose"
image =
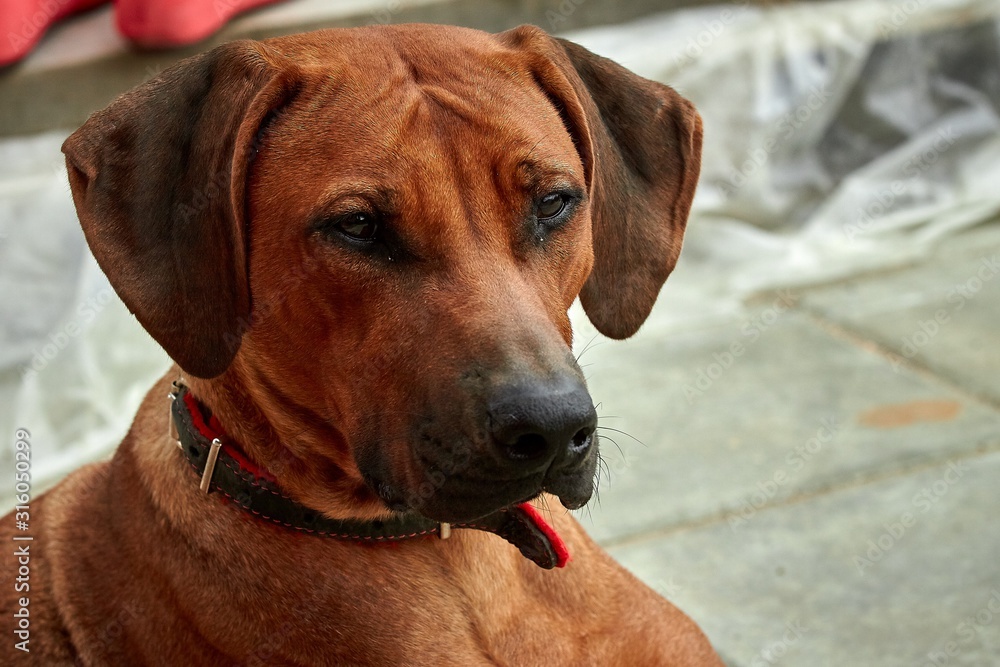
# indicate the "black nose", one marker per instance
pixel 543 423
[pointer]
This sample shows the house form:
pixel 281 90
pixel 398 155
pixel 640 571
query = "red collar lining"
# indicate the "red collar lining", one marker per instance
pixel 562 551
pixel 213 429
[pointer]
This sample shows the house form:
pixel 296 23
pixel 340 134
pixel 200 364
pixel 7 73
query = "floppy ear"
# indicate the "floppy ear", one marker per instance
pixel 159 181
pixel 640 143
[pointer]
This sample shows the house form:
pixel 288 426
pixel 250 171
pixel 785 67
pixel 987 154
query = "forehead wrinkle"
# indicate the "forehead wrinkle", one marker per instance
pixel 465 109
pixel 453 186
pixel 508 161
pixel 449 168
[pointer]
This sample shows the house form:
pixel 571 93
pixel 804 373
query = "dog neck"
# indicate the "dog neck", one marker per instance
pixel 299 447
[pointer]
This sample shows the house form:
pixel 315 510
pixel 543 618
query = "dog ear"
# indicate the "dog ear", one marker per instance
pixel 159 181
pixel 640 143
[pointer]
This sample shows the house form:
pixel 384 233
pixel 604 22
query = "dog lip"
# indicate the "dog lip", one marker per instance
pixel 469 493
pixel 572 495
pixel 472 499
pixel 467 502
pixel 573 486
pixel 573 503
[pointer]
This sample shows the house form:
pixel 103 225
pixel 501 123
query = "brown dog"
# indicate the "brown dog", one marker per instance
pixel 360 246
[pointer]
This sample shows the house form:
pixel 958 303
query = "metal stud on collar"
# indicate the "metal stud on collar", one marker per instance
pixel 173 434
pixel 213 455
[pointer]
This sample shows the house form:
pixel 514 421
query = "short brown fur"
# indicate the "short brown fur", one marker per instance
pixel 205 196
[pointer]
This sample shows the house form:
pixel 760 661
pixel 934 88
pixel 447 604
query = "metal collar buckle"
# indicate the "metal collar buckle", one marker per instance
pixel 172 433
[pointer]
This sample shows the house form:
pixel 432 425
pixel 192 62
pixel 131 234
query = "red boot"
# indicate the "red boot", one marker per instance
pixel 24 22
pixel 164 23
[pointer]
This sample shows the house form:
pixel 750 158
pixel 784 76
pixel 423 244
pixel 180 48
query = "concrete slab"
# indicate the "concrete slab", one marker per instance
pixel 901 572
pixel 943 315
pixel 728 430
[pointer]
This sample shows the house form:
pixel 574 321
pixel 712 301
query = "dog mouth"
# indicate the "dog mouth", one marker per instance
pixel 464 496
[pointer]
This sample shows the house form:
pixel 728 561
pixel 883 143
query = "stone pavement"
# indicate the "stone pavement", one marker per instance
pixel 819 483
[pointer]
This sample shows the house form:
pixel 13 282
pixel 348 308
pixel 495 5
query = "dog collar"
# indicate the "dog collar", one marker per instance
pixel 225 470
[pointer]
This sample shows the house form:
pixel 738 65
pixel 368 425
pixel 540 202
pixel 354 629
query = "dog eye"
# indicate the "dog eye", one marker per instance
pixel 550 206
pixel 357 226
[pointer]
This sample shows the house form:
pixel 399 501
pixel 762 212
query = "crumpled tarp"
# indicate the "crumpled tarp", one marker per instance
pixel 839 137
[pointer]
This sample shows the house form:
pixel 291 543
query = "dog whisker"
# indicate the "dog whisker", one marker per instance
pixel 625 433
pixel 613 442
pixel 586 347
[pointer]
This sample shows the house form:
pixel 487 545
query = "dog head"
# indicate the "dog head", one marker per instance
pixel 367 241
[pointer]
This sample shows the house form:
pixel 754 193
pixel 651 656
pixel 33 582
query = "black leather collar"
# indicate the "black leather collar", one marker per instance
pixel 221 470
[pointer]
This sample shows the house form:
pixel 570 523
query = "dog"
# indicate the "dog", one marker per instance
pixel 359 247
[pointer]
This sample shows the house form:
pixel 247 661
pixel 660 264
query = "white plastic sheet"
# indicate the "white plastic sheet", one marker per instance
pixel 73 362
pixel 838 137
